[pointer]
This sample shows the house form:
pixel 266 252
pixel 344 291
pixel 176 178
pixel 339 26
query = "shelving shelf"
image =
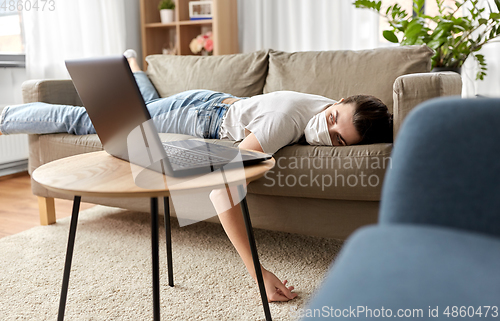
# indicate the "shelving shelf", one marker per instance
pixel 157 35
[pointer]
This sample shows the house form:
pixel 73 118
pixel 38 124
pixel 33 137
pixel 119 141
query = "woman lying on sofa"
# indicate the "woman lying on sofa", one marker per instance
pixel 265 123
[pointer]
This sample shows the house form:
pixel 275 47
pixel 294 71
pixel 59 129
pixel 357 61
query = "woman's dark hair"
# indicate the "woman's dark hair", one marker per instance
pixel 371 118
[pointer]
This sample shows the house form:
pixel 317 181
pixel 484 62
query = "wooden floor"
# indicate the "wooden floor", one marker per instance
pixel 19 207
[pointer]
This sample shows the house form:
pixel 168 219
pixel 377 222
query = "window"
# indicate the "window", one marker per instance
pixel 11 39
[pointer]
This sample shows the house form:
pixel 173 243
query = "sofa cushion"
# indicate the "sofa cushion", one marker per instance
pixel 354 173
pixel 339 173
pixel 47 148
pixel 241 75
pixel 322 172
pixel 342 73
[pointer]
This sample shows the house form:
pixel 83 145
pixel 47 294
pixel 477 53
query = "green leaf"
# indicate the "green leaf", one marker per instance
pixel 480 75
pixel 415 31
pixel 495 16
pixel 418 6
pixel 368 4
pixel 397 12
pixel 482 21
pixel 440 35
pixel 390 36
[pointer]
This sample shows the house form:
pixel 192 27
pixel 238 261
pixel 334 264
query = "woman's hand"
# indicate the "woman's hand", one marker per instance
pixel 275 289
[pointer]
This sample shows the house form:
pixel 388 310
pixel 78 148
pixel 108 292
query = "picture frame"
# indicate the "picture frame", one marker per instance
pixel 200 10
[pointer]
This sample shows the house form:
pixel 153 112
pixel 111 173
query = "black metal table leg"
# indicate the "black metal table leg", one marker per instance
pixel 255 256
pixel 69 257
pixel 155 259
pixel 168 236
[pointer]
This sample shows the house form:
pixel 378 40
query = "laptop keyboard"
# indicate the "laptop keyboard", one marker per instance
pixel 188 158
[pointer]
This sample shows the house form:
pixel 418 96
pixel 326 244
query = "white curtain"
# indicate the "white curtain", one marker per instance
pixel 300 25
pixel 74 29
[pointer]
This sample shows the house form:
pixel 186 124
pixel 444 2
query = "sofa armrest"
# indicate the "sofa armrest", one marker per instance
pixel 61 92
pixel 413 89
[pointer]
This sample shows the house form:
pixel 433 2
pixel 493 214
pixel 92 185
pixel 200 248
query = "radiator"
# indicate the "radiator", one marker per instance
pixel 13 148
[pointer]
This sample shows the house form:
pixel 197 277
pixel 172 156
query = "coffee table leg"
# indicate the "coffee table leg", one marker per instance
pixel 255 256
pixel 155 259
pixel 168 236
pixel 69 256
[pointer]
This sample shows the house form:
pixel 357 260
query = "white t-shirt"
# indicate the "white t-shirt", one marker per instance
pixel 276 119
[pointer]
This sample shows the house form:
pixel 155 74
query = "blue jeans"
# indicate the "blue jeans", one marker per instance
pixel 195 112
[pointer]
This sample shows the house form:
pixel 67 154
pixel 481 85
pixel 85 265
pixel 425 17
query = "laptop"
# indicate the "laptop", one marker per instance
pixel 118 112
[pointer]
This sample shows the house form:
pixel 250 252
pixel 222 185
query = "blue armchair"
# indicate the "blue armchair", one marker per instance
pixel 435 253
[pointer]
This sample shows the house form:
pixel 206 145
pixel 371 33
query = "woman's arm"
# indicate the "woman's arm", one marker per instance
pixel 251 142
pixel 232 221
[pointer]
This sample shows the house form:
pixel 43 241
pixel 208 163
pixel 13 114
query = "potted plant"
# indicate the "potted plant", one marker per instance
pixel 166 8
pixel 453 38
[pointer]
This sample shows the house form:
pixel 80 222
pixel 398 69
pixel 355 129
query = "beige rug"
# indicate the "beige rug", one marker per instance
pixel 111 271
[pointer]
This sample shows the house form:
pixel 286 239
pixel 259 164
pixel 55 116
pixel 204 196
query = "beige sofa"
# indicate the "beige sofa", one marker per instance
pixel 313 190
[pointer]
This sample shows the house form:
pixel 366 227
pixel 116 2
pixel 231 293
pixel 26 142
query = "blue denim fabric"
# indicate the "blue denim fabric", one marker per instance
pixel 196 112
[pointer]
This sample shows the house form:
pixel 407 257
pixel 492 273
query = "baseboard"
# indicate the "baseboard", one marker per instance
pixel 13 167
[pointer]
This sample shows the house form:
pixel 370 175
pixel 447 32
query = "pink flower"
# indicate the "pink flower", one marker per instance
pixel 209 45
pixel 203 41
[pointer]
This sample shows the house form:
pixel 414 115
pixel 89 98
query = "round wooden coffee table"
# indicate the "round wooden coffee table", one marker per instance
pixel 100 174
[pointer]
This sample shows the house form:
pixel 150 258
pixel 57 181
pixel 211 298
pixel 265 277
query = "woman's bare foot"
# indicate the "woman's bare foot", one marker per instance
pixel 134 66
pixel 131 56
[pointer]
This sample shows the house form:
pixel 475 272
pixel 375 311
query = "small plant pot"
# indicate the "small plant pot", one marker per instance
pixel 167 15
pixel 438 69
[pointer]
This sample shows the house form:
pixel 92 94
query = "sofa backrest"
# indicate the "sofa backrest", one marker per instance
pixel 333 74
pixel 342 73
pixel 241 75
